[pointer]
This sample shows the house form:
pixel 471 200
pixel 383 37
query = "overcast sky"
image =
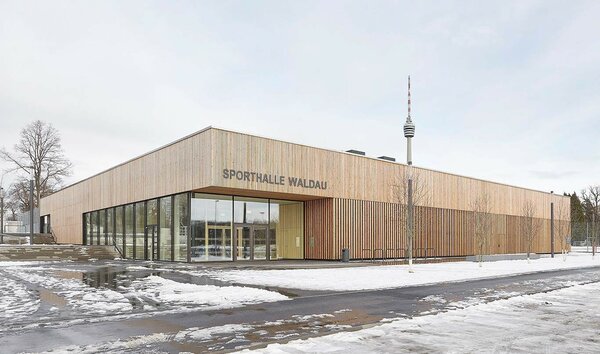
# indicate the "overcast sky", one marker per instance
pixel 505 91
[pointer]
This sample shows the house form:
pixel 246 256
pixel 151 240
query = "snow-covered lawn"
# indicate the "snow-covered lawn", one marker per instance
pixel 16 302
pixel 554 322
pixel 80 297
pixel 55 292
pixel 561 321
pixel 165 291
pixel 393 276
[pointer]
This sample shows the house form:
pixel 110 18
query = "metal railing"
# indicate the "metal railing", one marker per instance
pixel 399 253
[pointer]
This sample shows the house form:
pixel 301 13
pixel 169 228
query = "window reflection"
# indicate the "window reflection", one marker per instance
pixel 180 225
pixel 165 222
pixel 222 228
pixel 101 227
pixel 120 223
pixel 129 239
pixel 109 226
pixel 211 227
pixel 139 230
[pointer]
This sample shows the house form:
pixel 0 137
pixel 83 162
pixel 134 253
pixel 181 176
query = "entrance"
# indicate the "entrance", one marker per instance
pixel 151 243
pixel 251 242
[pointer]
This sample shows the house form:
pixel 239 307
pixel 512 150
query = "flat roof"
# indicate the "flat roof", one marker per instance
pixel 298 144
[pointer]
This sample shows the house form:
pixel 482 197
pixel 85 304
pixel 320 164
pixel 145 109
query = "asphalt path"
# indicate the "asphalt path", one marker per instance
pixel 308 314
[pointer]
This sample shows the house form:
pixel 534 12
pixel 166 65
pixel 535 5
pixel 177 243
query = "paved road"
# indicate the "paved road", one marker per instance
pixel 308 315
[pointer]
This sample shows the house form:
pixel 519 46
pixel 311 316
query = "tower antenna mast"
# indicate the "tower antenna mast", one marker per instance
pixel 409 133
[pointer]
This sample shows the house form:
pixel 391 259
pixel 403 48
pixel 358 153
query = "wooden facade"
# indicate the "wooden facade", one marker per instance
pixel 378 230
pixel 349 199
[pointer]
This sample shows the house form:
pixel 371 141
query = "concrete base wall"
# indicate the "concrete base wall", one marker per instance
pixel 56 252
pixel 503 257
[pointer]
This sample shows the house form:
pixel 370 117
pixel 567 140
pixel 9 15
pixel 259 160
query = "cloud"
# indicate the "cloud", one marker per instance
pixel 499 87
pixel 552 174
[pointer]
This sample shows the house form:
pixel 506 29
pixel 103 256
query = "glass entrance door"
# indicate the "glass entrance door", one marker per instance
pixel 151 243
pixel 260 242
pixel 251 242
pixel 243 242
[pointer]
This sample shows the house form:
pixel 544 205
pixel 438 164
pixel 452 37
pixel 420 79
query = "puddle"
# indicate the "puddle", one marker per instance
pixel 69 274
pixel 52 298
pixel 115 278
pixel 295 327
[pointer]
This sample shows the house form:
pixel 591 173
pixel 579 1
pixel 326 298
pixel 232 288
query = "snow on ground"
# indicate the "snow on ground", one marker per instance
pixel 555 322
pixel 204 334
pixel 24 286
pixel 80 297
pixel 16 302
pixel 211 297
pixel 393 276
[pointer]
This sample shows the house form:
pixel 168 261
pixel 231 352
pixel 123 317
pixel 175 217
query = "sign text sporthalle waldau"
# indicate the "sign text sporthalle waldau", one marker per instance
pixel 273 179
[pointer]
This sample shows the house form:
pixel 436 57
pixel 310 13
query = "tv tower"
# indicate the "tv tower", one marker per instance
pixel 409 130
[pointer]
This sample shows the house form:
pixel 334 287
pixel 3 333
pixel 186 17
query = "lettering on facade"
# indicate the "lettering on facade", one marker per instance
pixel 250 176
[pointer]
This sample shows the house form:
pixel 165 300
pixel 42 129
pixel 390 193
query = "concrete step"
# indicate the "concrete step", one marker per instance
pixel 56 252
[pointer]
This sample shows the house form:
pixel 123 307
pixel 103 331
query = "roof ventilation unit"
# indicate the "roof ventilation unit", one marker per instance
pixel 387 158
pixel 356 152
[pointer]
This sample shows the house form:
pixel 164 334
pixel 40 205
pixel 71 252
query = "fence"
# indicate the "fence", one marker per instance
pixel 585 233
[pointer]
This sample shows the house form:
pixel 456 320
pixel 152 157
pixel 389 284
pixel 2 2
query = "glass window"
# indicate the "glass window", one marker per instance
pixel 251 225
pixel 102 227
pixel 94 235
pixel 251 211
pixel 140 214
pixel 165 222
pixel 181 217
pixel 286 229
pixel 152 214
pixel 87 232
pixel 129 239
pixel 152 244
pixel 119 224
pixel 109 226
pixel 211 227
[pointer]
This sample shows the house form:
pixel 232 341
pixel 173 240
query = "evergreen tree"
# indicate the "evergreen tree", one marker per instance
pixel 577 211
pixel 578 227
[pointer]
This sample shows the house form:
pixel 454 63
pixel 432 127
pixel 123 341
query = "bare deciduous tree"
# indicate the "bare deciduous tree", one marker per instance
pixel 40 154
pixel 18 194
pixel 561 228
pixel 591 204
pixel 530 226
pixel 420 197
pixel 13 207
pixel 482 224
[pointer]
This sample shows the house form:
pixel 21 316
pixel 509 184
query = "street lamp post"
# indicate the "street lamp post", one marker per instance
pixel 552 225
pixel 31 208
pixel 409 133
pixel 1 210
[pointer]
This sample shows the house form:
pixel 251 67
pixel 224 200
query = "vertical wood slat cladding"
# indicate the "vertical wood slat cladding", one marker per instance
pixel 351 177
pixel 179 167
pixel 380 228
pixel 197 161
pixel 319 229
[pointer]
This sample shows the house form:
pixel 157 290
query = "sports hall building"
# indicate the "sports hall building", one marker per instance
pixel 219 195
